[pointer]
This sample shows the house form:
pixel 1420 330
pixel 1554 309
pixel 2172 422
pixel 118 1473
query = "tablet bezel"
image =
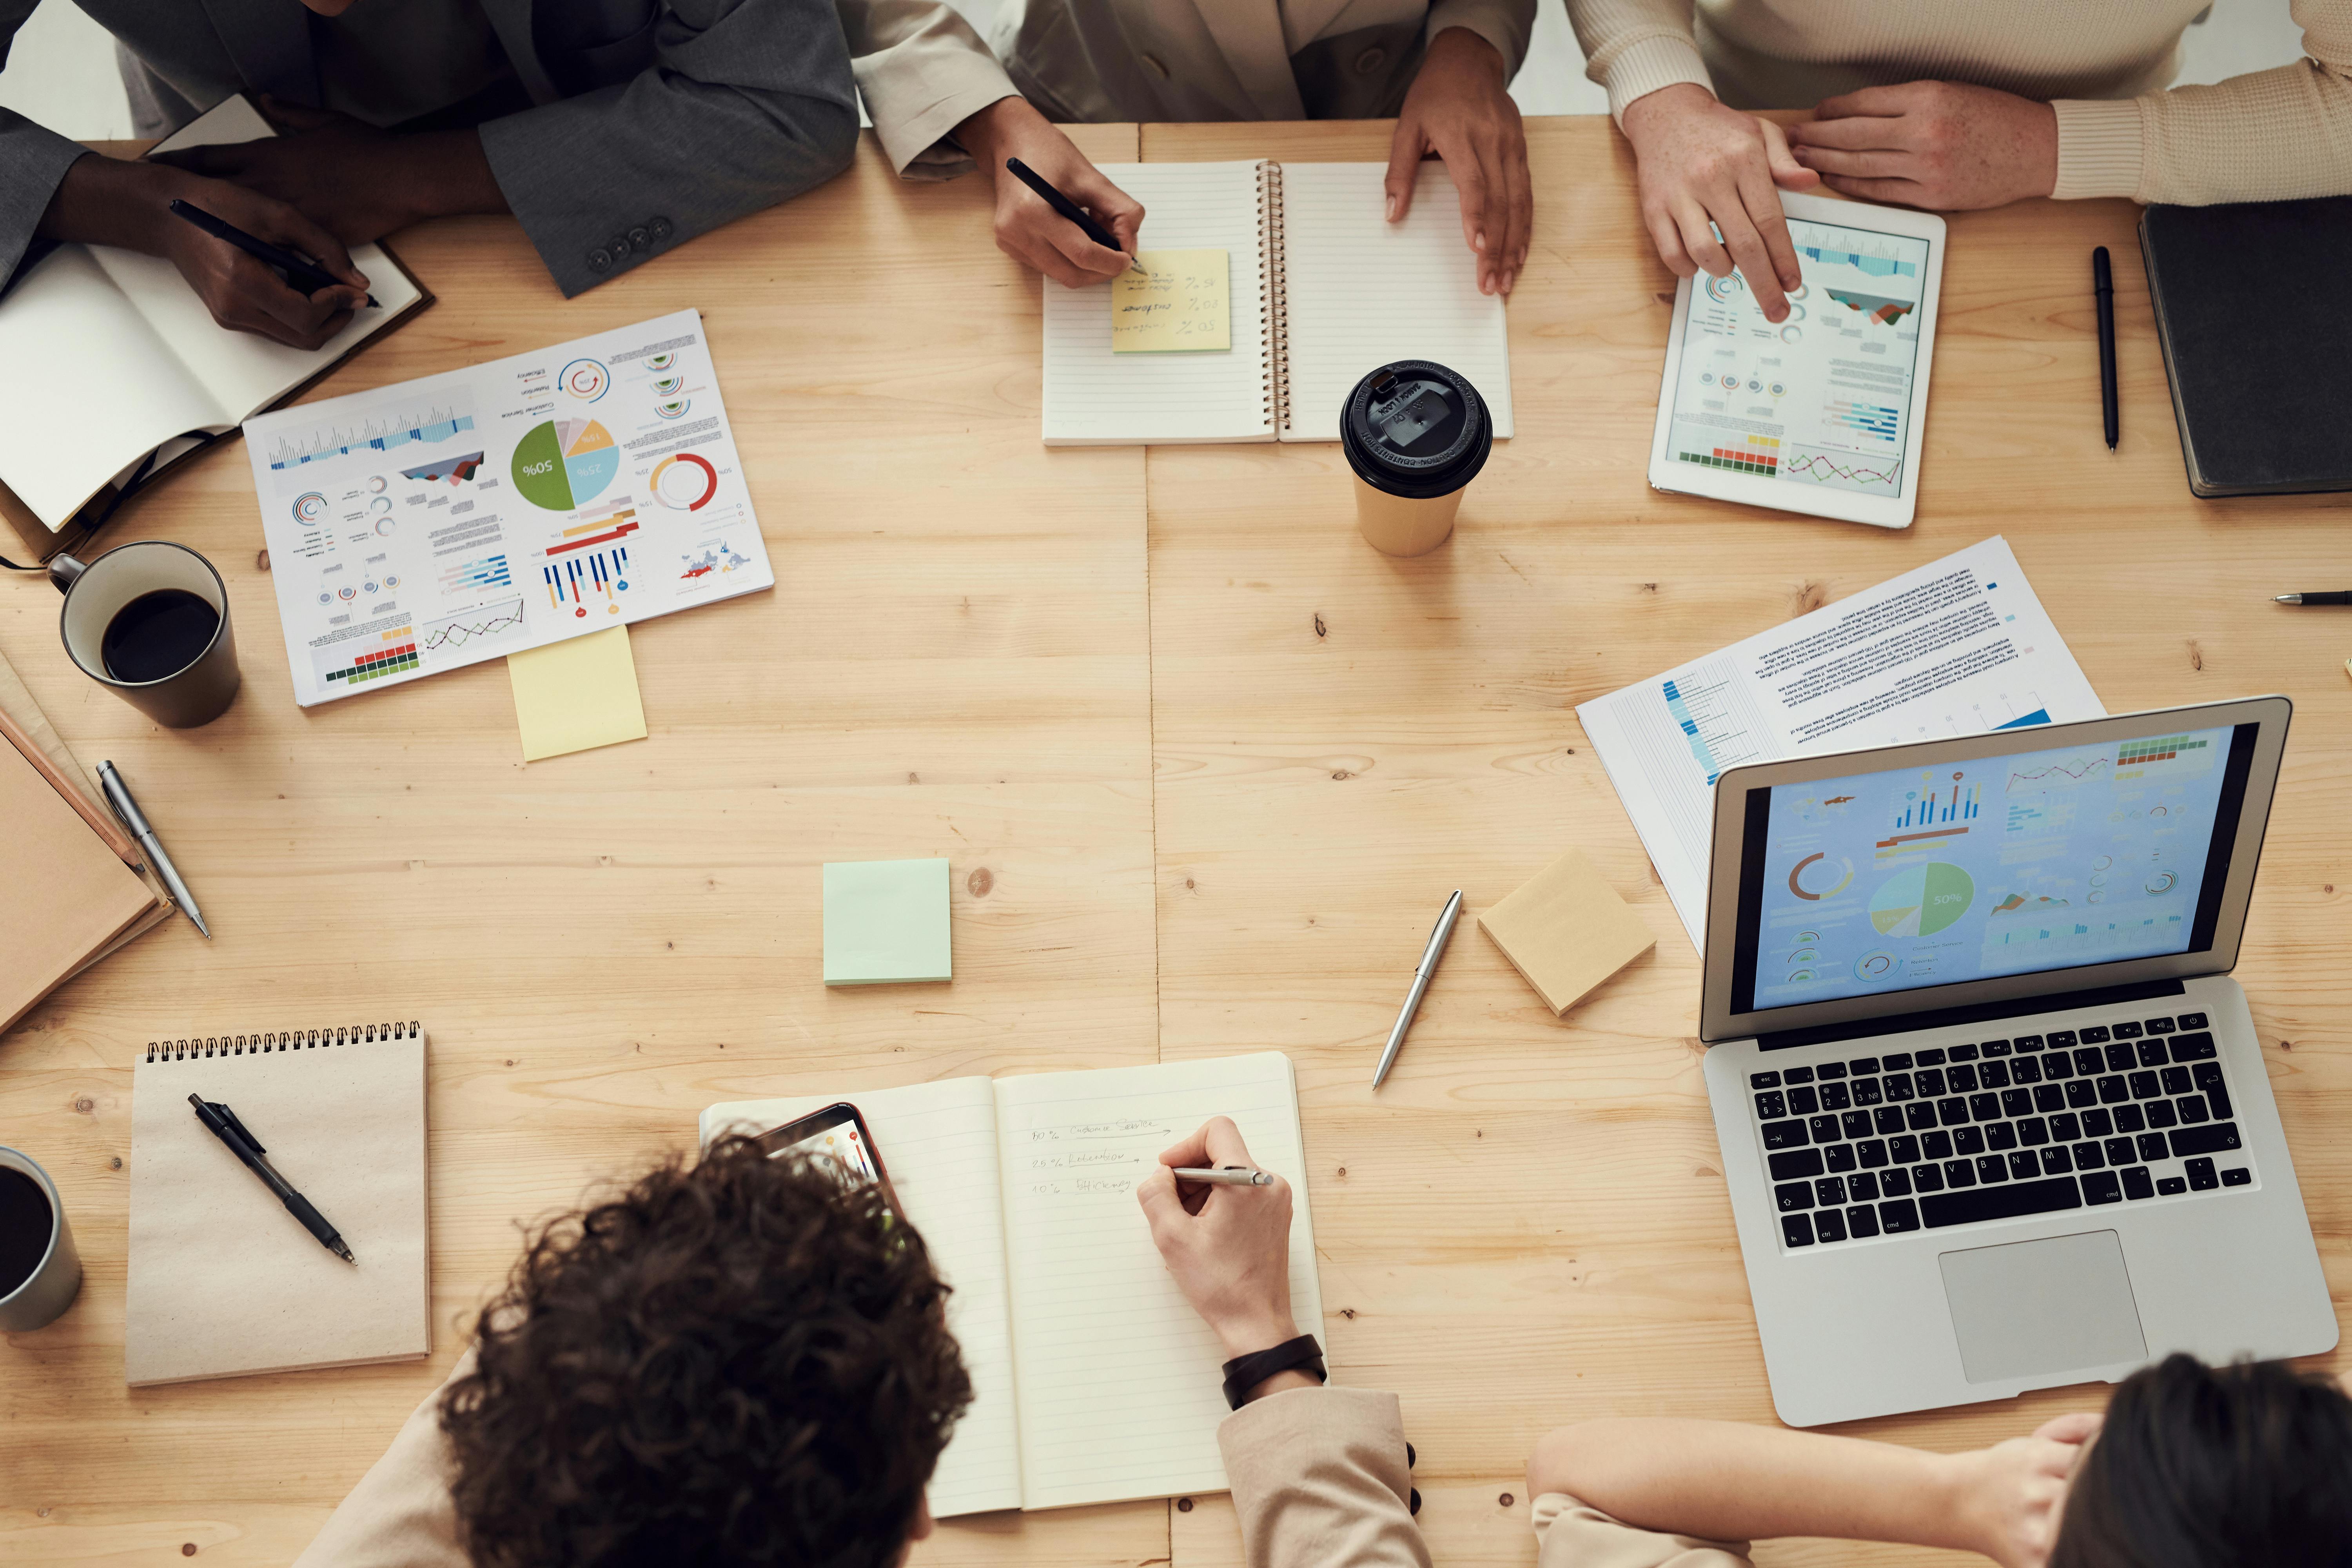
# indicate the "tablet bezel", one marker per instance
pixel 1778 494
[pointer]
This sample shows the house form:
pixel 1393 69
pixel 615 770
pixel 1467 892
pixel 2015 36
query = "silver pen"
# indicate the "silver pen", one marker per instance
pixel 1225 1176
pixel 117 798
pixel 1428 966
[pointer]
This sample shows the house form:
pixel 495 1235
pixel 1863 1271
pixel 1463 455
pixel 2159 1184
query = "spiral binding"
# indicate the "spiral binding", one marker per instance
pixel 294 1041
pixel 1274 306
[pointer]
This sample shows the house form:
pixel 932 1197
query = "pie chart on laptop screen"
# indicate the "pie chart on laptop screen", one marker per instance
pixel 565 463
pixel 1922 901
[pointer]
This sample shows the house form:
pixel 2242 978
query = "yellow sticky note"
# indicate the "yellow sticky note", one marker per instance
pixel 576 695
pixel 1567 930
pixel 1181 302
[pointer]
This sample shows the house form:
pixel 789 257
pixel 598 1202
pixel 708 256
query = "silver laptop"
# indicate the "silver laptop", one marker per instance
pixel 1993 1113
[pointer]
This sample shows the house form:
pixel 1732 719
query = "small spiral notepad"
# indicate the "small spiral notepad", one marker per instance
pixel 1324 289
pixel 224 1282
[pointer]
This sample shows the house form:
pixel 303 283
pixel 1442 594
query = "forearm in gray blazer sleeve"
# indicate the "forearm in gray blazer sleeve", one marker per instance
pixel 748 103
pixel 33 160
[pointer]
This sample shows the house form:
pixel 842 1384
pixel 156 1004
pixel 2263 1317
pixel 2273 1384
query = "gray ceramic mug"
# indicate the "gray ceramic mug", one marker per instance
pixel 149 621
pixel 45 1293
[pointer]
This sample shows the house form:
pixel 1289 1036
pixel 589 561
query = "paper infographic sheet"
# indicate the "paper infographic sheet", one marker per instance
pixel 461 517
pixel 1958 648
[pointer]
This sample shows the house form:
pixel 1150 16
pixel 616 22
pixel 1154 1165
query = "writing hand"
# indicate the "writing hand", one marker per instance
pixel 1701 168
pixel 1229 1248
pixel 358 181
pixel 1944 145
pixel 2013 1494
pixel 1458 107
pixel 105 201
pixel 1027 229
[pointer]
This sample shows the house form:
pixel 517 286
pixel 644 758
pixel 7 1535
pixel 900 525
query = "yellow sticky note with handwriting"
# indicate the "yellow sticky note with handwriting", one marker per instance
pixel 1181 302
pixel 577 694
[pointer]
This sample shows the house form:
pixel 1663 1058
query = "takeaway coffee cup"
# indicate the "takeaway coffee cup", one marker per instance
pixel 39 1269
pixel 151 621
pixel 1416 434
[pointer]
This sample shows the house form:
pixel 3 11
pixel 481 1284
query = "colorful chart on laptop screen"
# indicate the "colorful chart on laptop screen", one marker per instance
pixel 565 463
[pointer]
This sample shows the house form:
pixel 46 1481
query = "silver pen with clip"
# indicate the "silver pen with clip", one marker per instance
pixel 118 800
pixel 1428 966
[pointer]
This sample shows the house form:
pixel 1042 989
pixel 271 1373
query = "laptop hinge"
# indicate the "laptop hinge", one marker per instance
pixel 1981 1012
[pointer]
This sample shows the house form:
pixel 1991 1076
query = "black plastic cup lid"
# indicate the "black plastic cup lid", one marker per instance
pixel 1414 428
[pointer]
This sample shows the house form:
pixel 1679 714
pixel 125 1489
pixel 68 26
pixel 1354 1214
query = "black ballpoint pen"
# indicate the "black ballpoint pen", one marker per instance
pixel 2102 287
pixel 2344 598
pixel 305 277
pixel 222 1124
pixel 1068 210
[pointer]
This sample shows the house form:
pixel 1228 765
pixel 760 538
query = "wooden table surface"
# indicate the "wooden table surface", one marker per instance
pixel 1205 767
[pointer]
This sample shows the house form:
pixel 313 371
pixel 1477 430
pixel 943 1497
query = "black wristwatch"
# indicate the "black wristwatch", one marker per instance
pixel 1244 1372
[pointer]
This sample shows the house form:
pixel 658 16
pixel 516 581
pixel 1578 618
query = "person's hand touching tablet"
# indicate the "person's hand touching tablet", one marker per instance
pixel 1948 146
pixel 1228 1247
pixel 1027 229
pixel 1459 107
pixel 1709 180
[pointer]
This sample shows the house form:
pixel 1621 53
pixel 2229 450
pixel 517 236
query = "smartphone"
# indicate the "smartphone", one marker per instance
pixel 836 1138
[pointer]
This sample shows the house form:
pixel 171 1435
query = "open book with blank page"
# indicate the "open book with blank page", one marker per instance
pixel 1093 1380
pixel 1324 289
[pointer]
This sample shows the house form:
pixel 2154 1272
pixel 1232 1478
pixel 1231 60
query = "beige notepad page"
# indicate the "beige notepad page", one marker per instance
pixel 224 1282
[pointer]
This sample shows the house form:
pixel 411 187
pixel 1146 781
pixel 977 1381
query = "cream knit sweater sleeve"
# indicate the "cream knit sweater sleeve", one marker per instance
pixel 2267 136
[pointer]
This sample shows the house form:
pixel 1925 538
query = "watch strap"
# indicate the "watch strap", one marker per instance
pixel 1244 1372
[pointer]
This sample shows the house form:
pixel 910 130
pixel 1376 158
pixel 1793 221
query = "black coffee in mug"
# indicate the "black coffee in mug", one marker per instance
pixel 158 635
pixel 25 1227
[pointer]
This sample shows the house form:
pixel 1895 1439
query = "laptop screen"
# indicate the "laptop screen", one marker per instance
pixel 2013 864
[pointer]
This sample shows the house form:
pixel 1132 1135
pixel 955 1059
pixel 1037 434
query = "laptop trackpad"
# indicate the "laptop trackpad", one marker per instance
pixel 2037 1307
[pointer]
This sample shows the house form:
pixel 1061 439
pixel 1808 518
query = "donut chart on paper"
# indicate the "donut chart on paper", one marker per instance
pixel 684 482
pixel 565 463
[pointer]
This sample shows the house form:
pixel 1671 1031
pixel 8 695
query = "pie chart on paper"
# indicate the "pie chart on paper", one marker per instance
pixel 565 463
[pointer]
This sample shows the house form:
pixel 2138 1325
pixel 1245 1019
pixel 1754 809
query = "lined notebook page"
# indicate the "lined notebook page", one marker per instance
pixel 1094 397
pixel 937 1140
pixel 1364 291
pixel 224 1282
pixel 1121 1384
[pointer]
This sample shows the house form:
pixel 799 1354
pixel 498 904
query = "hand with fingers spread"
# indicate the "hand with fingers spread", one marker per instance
pixel 1229 1248
pixel 1705 170
pixel 2014 1493
pixel 104 200
pixel 1027 229
pixel 1944 145
pixel 1460 109
pixel 357 181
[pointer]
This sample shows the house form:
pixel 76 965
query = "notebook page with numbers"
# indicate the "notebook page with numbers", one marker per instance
pixel 1323 289
pixel 1023 1189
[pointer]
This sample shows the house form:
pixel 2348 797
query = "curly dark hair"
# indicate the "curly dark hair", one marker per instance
pixel 2247 1466
pixel 739 1362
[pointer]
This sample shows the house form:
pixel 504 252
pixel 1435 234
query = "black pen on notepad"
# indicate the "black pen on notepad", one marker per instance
pixel 222 1124
pixel 305 277
pixel 1069 210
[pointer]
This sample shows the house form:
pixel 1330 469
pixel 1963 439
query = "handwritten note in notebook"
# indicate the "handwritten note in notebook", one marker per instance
pixel 1179 301
pixel 1024 1191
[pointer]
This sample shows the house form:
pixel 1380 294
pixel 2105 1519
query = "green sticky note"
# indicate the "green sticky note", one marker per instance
pixel 885 921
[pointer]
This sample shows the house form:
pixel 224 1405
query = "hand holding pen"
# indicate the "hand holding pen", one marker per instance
pixel 1008 137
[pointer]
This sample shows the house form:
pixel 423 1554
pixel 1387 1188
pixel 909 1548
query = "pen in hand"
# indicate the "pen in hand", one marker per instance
pixel 1224 1176
pixel 304 275
pixel 222 1124
pixel 1070 210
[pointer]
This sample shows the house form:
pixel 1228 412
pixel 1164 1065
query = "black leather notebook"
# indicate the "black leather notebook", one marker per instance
pixel 2251 308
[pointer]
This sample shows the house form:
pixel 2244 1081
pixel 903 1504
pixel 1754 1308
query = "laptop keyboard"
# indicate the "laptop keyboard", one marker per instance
pixel 2120 1112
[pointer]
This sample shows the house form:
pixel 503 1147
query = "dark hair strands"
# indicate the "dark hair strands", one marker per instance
pixel 2247 1466
pixel 739 1362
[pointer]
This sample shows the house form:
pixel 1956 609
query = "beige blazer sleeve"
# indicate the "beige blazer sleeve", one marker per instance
pixel 1319 1480
pixel 400 1515
pixel 1570 1535
pixel 922 71
pixel 2267 136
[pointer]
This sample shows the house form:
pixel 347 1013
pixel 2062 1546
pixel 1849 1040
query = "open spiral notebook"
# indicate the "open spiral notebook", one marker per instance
pixel 224 1282
pixel 1324 289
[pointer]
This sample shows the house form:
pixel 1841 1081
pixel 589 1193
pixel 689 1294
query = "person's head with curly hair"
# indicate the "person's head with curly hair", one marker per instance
pixel 737 1362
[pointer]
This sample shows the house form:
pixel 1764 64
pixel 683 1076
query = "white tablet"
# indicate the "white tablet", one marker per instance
pixel 1825 412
